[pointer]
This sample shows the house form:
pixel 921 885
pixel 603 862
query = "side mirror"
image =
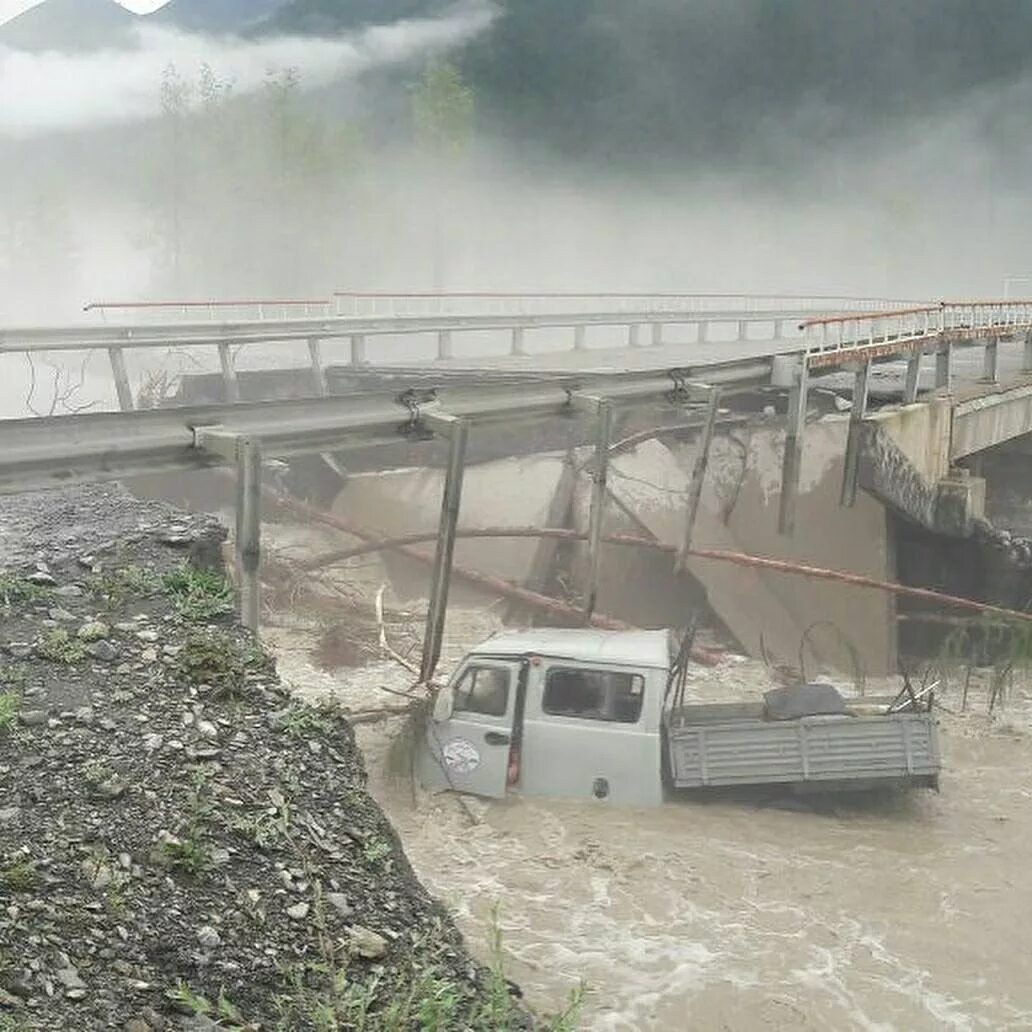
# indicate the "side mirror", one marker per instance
pixel 444 704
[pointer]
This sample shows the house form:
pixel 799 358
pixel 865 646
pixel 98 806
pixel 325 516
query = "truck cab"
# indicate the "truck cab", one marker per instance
pixel 568 713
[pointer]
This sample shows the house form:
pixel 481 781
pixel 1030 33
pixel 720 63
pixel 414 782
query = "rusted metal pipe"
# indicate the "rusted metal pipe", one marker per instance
pixel 495 585
pixel 636 541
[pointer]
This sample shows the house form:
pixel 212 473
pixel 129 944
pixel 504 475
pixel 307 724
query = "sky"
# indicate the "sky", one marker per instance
pixel 9 8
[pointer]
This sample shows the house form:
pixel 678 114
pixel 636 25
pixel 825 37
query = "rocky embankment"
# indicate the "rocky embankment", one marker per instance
pixel 182 844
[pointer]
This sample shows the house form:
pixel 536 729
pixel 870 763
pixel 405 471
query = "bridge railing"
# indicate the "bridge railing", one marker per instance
pixel 194 345
pixel 365 303
pixel 959 319
pixel 213 310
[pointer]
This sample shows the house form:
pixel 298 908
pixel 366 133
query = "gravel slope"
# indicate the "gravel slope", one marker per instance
pixel 182 845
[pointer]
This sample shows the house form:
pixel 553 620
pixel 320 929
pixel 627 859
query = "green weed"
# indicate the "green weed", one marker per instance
pixel 10 703
pixel 16 590
pixel 59 646
pixel 20 877
pixel 198 595
pixel 221 660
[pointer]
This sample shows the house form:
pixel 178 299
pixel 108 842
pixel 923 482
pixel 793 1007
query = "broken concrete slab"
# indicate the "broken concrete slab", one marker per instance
pixel 767 611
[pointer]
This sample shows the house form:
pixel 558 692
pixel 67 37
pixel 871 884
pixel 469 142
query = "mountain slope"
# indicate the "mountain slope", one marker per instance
pixel 70 26
pixel 216 16
pixel 329 17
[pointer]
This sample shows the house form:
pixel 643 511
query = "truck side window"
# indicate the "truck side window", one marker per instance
pixel 483 689
pixel 609 695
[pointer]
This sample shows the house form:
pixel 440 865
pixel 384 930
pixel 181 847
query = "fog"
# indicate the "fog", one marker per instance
pixel 294 167
pixel 44 92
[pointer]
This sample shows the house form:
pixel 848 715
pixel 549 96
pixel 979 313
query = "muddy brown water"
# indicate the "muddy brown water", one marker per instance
pixel 889 913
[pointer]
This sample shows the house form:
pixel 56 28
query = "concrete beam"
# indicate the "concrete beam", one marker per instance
pixel 985 422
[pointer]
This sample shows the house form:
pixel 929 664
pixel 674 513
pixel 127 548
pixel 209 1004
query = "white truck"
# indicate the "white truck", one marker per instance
pixel 599 714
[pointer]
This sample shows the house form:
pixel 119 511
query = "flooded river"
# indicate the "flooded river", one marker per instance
pixel 899 913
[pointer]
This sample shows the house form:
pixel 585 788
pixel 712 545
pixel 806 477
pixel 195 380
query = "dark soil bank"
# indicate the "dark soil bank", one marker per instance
pixel 182 846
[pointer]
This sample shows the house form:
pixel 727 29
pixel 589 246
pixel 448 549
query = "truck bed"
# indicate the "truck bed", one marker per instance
pixel 731 744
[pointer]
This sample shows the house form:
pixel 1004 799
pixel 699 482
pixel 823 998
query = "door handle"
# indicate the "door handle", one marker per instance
pixel 496 738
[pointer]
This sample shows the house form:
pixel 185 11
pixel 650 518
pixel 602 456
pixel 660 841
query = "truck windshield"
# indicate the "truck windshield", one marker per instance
pixel 483 689
pixel 610 695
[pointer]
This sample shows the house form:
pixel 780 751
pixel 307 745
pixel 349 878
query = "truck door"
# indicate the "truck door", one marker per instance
pixel 467 745
pixel 592 731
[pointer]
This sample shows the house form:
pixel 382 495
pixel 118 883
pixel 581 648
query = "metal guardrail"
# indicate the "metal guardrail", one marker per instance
pixel 226 337
pixel 90 446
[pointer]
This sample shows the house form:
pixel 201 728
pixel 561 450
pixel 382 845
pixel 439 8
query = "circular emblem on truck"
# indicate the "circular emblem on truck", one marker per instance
pixel 461 756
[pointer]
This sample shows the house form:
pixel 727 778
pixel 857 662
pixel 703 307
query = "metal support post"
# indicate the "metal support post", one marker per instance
pixel 578 337
pixel 991 361
pixel 444 345
pixel 122 387
pixel 246 452
pixel 458 433
pixel 318 373
pixel 944 367
pixel 698 477
pixel 604 429
pixel 851 472
pixel 249 528
pixel 1026 365
pixel 358 350
pixel 229 376
pixel 913 378
pixel 793 458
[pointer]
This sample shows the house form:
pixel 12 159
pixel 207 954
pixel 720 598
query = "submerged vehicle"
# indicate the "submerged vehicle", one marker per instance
pixel 601 714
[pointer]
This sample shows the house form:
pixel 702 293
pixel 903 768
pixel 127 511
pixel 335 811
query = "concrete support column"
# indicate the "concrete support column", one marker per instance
pixel 358 350
pixel 122 386
pixel 633 339
pixel 444 345
pixel 913 378
pixel 578 337
pixel 657 334
pixel 318 373
pixel 517 341
pixel 743 329
pixel 851 474
pixel 793 458
pixel 779 329
pixel 1026 365
pixel 944 367
pixel 246 453
pixel 229 376
pixel 991 361
pixel 703 334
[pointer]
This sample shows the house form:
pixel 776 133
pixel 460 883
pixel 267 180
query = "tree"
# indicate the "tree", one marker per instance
pixel 443 108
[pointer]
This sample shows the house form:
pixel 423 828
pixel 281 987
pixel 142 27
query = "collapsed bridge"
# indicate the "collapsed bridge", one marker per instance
pixel 845 433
